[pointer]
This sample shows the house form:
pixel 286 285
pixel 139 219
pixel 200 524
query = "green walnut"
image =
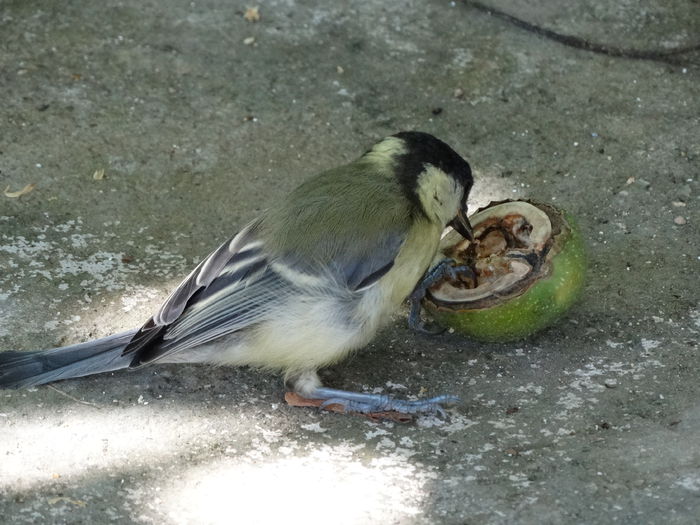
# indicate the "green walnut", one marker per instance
pixel 527 267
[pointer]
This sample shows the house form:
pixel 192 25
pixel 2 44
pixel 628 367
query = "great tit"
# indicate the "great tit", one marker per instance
pixel 314 278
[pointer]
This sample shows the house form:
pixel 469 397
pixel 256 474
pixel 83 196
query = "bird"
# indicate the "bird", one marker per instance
pixel 309 281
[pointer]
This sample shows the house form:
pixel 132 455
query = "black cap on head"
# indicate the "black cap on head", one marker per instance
pixel 423 148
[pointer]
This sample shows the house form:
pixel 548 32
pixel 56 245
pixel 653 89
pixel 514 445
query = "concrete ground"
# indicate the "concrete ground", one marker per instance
pixel 199 118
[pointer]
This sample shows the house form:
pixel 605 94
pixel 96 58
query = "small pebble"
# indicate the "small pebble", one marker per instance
pixel 252 14
pixel 680 220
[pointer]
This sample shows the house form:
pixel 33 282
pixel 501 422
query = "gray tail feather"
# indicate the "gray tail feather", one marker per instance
pixel 24 369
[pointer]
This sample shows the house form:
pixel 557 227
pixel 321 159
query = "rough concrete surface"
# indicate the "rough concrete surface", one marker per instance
pixel 198 128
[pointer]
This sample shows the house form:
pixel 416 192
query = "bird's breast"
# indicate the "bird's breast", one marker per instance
pixel 410 265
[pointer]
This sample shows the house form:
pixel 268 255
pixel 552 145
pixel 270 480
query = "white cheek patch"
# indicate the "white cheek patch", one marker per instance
pixel 440 194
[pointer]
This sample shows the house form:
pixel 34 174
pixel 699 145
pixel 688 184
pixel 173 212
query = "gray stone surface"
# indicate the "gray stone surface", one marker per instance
pixel 196 131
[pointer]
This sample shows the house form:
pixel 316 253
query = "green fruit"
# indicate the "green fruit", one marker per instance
pixel 530 265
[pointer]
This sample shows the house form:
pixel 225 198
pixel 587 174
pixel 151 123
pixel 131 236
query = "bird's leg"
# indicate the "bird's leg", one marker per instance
pixel 308 391
pixel 444 269
pixel 373 403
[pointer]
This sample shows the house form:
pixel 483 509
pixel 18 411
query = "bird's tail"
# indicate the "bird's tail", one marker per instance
pixel 24 369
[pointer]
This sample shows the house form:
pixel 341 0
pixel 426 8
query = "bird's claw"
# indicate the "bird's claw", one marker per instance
pixel 444 269
pixel 427 328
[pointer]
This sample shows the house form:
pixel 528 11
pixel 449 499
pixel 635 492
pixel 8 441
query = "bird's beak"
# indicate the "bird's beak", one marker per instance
pixel 461 224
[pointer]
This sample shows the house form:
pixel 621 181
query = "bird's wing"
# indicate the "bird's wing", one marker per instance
pixel 360 271
pixel 217 297
pixel 239 284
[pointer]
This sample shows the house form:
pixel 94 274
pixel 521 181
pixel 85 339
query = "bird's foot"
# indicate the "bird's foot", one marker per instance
pixel 445 269
pixel 379 404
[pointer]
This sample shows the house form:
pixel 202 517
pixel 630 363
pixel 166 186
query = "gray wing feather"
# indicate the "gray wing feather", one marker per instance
pixel 362 272
pixel 233 308
pixel 203 275
pixel 227 265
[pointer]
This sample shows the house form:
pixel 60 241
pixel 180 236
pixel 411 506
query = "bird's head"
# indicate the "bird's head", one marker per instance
pixel 434 178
